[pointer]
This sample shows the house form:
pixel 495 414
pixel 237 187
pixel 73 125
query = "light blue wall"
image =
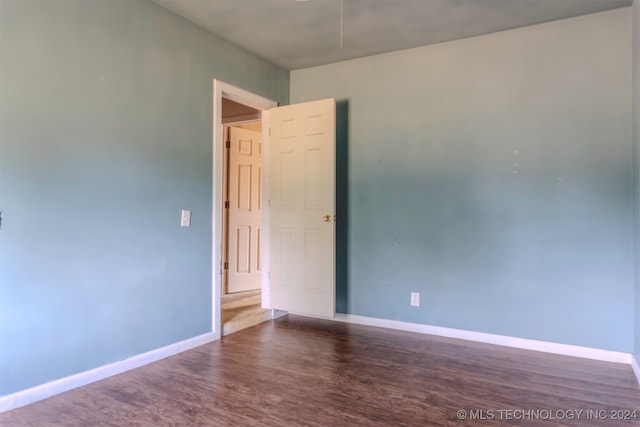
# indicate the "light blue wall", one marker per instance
pixel 636 141
pixel 106 117
pixel 494 176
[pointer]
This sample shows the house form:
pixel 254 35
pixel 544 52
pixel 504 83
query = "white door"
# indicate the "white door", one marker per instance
pixel 302 192
pixel 245 204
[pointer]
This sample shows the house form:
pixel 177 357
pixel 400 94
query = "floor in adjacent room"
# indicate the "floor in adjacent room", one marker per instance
pixel 242 310
pixel 300 371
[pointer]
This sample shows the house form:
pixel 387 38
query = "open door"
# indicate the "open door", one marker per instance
pixel 302 208
pixel 244 210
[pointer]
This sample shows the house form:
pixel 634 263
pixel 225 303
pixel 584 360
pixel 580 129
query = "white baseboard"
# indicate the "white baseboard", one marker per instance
pixel 636 368
pixel 527 344
pixel 34 394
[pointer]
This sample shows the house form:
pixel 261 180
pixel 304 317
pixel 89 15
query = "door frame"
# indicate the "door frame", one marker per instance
pixel 241 96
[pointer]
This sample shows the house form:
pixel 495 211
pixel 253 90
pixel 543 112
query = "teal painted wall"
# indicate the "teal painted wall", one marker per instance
pixel 494 176
pixel 106 117
pixel 636 141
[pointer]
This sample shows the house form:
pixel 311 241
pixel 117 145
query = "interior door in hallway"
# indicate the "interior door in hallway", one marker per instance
pixel 245 204
pixel 302 208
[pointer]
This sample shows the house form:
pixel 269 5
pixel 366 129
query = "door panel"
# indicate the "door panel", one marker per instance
pixel 302 194
pixel 244 210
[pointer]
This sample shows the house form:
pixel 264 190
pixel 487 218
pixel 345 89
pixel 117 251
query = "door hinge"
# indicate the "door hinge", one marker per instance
pixel 226 204
pixel 269 131
pixel 226 265
pixel 227 144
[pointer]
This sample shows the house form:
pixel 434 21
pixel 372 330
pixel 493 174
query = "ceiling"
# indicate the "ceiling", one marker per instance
pixel 298 34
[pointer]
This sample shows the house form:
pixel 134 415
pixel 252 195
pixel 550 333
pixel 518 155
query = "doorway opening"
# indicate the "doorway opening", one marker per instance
pixel 240 242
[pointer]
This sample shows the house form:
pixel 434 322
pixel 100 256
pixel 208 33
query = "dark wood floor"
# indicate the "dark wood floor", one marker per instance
pixel 298 371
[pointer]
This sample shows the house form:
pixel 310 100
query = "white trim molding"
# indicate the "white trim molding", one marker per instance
pixel 636 368
pixel 523 343
pixel 34 394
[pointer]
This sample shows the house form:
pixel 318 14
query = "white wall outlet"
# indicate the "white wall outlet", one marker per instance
pixel 185 218
pixel 415 299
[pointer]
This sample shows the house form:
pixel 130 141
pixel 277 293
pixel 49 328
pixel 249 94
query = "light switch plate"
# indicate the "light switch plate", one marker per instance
pixel 415 299
pixel 185 218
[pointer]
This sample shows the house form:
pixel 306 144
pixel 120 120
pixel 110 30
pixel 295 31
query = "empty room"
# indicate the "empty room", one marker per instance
pixel 319 212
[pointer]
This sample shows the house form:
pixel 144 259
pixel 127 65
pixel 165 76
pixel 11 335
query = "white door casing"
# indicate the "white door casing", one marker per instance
pixel 244 210
pixel 302 208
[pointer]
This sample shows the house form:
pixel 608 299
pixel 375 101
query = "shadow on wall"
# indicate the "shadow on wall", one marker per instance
pixel 342 206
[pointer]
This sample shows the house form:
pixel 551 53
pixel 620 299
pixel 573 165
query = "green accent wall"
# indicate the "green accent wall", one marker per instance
pixel 105 135
pixel 493 175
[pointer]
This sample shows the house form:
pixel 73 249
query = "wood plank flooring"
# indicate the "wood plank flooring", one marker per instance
pixel 297 371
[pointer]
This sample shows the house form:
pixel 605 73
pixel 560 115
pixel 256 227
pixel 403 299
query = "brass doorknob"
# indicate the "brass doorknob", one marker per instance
pixel 328 218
